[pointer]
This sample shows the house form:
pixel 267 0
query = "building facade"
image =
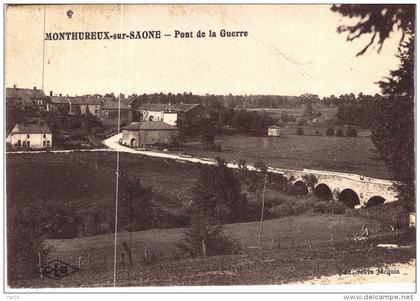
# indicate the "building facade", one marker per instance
pixel 110 111
pixel 148 133
pixel 273 130
pixel 30 136
pixel 170 113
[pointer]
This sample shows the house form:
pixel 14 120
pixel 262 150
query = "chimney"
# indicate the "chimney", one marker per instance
pixel 14 86
pixel 61 94
pixel 34 87
pixel 51 93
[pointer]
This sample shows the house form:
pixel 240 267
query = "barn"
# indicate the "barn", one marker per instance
pixel 148 133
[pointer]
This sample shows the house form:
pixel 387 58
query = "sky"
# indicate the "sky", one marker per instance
pixel 289 50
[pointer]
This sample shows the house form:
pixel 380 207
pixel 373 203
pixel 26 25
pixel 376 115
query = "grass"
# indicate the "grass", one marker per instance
pixel 353 155
pixel 327 113
pixel 163 242
pixel 59 177
pixel 276 264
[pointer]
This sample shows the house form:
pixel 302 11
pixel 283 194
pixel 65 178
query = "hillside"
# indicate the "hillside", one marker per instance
pixel 311 254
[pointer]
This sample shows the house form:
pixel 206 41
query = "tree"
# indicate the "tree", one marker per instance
pixel 24 242
pixel 207 132
pixel 308 110
pixel 217 199
pixel 377 20
pixel 393 129
pixel 300 132
pixel 135 205
pixel 339 133
pixel 330 132
pixel 351 132
pixel 218 193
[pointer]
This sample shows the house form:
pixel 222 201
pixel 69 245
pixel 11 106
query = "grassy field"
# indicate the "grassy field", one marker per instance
pixel 283 232
pixel 327 113
pixel 62 177
pixel 353 155
pixel 280 261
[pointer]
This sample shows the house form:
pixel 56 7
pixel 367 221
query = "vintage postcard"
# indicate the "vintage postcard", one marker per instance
pixel 207 147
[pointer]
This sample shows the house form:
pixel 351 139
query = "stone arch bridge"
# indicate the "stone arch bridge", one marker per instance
pixel 352 189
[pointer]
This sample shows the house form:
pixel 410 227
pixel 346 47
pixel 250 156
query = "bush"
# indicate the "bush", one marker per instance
pixel 339 133
pixel 317 133
pixel 300 132
pixel 202 232
pixel 292 207
pixel 351 132
pixel 24 243
pixel 330 132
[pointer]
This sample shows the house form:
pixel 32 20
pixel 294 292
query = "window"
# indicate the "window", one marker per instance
pixel 44 136
pixel 48 143
pixel 44 143
pixel 28 136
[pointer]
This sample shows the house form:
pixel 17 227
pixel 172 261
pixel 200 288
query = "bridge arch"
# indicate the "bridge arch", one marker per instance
pixel 349 197
pixel 300 188
pixel 323 192
pixel 375 201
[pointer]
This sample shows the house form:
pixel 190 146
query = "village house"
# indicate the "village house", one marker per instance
pixel 109 113
pixel 81 105
pixel 76 105
pixel 169 113
pixel 30 136
pixel 273 130
pixel 147 133
pixel 21 98
pixel 58 104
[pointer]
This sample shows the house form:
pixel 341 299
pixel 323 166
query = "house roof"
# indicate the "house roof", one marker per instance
pixel 25 95
pixel 59 99
pixel 149 125
pixel 175 108
pixel 31 129
pixel 273 127
pixel 21 92
pixel 85 100
pixel 114 105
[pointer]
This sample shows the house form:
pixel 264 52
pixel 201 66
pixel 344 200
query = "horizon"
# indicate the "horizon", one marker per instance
pixel 185 92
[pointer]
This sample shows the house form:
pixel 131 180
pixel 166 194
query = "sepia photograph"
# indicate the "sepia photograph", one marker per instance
pixel 210 148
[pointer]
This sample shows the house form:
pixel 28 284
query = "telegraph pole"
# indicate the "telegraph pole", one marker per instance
pixel 262 213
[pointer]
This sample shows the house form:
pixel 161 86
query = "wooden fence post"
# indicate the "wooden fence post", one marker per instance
pixel 146 257
pixel 127 249
pixel 203 245
pixel 90 261
pixel 80 262
pixel 40 263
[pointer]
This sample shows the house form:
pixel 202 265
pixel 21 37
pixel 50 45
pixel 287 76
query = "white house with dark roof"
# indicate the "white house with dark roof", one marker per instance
pixel 149 133
pixel 30 136
pixel 169 113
